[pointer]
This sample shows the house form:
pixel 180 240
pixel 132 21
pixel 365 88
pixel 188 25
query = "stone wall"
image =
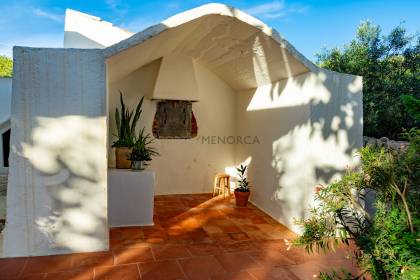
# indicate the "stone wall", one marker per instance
pixel 386 143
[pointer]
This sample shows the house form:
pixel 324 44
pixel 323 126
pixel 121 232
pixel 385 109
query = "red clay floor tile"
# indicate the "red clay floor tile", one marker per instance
pixel 92 259
pixel 272 273
pixel 161 270
pixel 204 249
pixel 47 264
pixel 119 272
pixel 81 274
pixel 195 236
pixel 11 267
pixel 233 262
pixel 201 267
pixel 164 252
pixel 241 275
pixel 133 255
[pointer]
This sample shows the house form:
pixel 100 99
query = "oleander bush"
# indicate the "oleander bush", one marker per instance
pixel 388 240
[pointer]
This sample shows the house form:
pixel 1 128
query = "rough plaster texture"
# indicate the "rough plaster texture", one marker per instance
pixel 309 128
pixel 176 79
pixel 188 165
pixel 57 199
pixel 238 48
pixel 89 32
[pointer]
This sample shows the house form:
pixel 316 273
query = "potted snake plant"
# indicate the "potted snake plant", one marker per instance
pixel 242 192
pixel 142 152
pixel 126 122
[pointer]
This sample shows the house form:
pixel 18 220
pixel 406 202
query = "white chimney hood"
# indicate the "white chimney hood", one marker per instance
pixel 176 79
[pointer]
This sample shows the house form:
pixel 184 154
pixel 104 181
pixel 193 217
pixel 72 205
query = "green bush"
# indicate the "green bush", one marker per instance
pixel 6 66
pixel 390 66
pixel 388 241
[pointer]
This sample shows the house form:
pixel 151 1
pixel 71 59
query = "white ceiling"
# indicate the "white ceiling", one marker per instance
pixel 239 53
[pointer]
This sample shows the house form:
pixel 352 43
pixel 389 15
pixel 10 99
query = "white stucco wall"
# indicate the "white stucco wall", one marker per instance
pixel 309 128
pixel 57 199
pixel 89 32
pixel 5 98
pixel 184 165
pixel 176 79
pixel 5 103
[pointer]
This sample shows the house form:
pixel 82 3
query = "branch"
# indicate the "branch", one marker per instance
pixel 404 201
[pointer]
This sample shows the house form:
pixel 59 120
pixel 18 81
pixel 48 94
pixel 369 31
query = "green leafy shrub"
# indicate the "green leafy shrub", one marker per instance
pixel 412 105
pixel 390 66
pixel 388 240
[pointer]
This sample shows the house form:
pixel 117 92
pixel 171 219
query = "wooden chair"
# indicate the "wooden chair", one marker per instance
pixel 221 183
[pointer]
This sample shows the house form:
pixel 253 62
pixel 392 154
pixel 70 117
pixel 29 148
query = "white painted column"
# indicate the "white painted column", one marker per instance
pixel 57 197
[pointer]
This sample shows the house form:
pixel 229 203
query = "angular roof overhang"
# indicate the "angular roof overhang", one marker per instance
pixel 240 49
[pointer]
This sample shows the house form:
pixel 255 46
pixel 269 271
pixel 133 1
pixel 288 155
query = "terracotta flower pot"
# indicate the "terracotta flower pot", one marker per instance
pixel 241 198
pixel 122 157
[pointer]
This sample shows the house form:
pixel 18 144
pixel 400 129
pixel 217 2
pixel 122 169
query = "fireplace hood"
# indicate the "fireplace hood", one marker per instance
pixel 176 79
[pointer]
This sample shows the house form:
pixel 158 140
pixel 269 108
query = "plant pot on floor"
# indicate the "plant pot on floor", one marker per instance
pixel 242 198
pixel 122 157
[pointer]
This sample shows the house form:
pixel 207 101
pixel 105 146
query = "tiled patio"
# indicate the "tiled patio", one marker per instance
pixel 194 237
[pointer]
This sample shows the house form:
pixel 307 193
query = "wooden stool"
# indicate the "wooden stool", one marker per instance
pixel 221 183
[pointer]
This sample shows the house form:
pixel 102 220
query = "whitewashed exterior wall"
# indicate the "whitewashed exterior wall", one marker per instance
pixel 309 128
pixel 57 198
pixel 5 104
pixel 5 98
pixel 89 32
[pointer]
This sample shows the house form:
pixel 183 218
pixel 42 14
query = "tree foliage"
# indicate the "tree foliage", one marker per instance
pixel 6 66
pixel 388 240
pixel 390 66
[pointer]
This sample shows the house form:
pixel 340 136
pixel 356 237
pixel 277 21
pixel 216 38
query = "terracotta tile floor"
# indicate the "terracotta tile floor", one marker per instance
pixel 194 237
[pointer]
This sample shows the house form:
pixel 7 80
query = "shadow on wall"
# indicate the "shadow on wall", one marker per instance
pixel 314 122
pixel 308 125
pixel 67 152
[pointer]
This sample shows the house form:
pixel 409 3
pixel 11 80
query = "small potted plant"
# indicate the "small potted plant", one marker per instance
pixel 126 122
pixel 142 152
pixel 242 192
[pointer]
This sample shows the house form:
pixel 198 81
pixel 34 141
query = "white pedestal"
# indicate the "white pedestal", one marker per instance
pixel 130 197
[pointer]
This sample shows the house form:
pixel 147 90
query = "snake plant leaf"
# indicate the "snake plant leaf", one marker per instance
pixel 118 122
pixel 126 121
pixel 137 116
